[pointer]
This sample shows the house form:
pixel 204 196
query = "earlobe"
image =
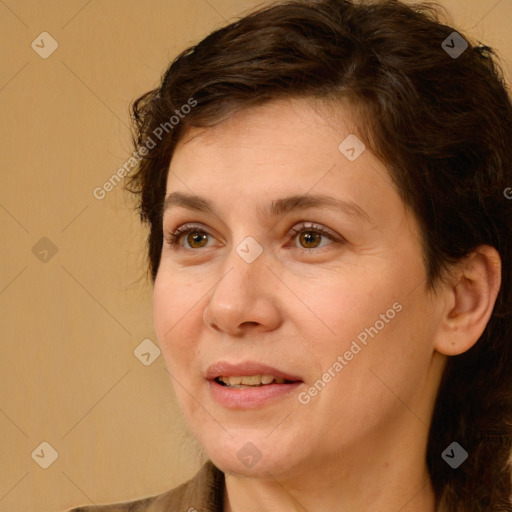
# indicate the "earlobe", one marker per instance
pixel 469 301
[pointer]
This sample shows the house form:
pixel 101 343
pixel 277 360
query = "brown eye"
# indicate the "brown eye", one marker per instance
pixel 312 236
pixel 197 237
pixel 194 236
pixel 310 239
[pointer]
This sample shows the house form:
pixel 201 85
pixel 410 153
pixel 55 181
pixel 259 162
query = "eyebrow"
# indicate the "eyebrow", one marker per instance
pixel 276 208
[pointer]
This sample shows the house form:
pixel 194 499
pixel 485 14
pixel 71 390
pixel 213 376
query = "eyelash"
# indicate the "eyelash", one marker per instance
pixel 173 239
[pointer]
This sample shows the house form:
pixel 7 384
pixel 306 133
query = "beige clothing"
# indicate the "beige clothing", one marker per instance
pixel 203 493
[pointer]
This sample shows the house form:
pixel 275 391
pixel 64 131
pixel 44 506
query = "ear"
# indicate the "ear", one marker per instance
pixel 470 295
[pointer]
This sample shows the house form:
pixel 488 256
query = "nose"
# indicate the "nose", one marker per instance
pixel 245 299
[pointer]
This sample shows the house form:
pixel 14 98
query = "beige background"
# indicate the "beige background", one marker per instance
pixel 70 325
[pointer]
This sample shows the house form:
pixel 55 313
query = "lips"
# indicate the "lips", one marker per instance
pixel 248 371
pixel 250 385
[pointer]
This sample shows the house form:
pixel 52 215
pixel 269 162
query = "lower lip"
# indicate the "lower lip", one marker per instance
pixel 248 398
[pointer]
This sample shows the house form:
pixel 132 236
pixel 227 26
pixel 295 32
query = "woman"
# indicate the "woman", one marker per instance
pixel 327 188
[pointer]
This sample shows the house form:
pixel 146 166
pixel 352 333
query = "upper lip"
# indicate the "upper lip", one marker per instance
pixel 246 368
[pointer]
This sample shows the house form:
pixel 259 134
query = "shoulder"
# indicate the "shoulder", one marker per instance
pixel 202 493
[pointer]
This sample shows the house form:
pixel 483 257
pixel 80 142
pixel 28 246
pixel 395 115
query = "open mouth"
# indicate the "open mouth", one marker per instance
pixel 249 384
pixel 250 381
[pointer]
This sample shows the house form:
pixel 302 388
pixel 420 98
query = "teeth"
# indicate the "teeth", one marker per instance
pixel 250 380
pixel 266 379
pixel 253 380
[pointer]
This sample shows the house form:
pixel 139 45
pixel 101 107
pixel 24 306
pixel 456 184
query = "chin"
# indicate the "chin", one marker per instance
pixel 251 455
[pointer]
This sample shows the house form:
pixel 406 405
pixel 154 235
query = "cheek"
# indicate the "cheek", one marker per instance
pixel 371 313
pixel 177 319
pixel 339 305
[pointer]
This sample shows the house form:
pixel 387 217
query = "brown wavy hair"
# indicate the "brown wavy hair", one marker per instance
pixel 443 128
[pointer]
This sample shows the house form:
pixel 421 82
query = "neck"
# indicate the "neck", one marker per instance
pixel 244 495
pixel 249 495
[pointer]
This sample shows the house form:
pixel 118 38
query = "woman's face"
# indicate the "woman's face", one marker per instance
pixel 343 313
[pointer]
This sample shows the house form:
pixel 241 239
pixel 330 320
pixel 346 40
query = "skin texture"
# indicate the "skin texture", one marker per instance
pixel 360 443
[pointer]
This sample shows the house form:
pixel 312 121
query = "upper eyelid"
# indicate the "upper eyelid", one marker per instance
pixel 302 224
pixel 319 228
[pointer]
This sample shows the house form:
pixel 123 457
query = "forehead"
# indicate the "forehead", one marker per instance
pixel 270 157
pixel 294 139
pixel 285 122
